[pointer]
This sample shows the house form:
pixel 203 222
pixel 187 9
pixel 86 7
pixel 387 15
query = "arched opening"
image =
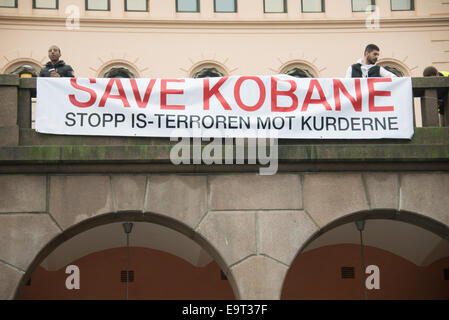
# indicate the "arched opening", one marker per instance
pixel 388 256
pixel 161 259
pixel 299 72
pixel 394 70
pixel 394 67
pixel 118 69
pixel 118 72
pixel 24 69
pixel 299 69
pixel 207 70
pixel 207 73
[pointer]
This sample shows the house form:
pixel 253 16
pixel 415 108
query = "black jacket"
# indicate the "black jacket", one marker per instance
pixel 63 69
pixel 374 72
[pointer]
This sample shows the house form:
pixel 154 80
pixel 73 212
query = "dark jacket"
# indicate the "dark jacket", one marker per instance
pixel 374 72
pixel 63 69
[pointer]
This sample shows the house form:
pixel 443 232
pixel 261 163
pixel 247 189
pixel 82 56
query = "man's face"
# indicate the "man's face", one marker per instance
pixel 372 57
pixel 54 54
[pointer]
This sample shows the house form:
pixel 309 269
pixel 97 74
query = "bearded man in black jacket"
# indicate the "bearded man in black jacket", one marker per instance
pixel 55 67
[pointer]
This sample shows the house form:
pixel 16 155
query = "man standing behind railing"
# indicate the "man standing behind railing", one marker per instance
pixel 433 72
pixel 55 67
pixel 367 68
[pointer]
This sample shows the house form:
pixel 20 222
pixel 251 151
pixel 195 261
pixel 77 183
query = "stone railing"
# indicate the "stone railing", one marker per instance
pixel 429 90
pixel 16 94
pixel 20 144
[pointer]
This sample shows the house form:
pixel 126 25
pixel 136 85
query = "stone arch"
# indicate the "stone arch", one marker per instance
pixel 419 220
pixel 300 68
pixel 124 216
pixel 19 66
pixel 331 199
pixel 413 218
pixel 118 68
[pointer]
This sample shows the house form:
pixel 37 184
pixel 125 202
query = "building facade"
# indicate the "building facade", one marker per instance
pixel 167 40
pixel 220 232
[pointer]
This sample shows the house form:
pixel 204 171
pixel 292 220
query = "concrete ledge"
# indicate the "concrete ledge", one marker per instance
pixel 29 137
pixel 430 82
pixel 9 80
pixel 161 154
pixel 417 82
pixel 28 83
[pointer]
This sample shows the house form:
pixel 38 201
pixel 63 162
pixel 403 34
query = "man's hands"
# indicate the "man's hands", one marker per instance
pixel 54 74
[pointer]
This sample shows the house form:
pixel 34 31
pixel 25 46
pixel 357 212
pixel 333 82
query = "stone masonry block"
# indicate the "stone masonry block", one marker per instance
pixel 9 280
pixel 383 190
pixel 255 192
pixel 8 105
pixel 282 234
pixel 129 192
pixel 9 136
pixel 183 198
pixel 233 234
pixel 259 278
pixel 22 237
pixel 426 194
pixel 76 198
pixel 20 193
pixel 328 197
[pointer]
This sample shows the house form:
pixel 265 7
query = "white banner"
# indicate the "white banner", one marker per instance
pixel 241 106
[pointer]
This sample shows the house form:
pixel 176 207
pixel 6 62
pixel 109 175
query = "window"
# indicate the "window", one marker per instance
pixel 402 5
pixel 8 3
pixel 362 5
pixel 45 4
pixel 312 5
pixel 187 6
pixel 394 70
pixel 118 72
pixel 208 72
pixel 25 71
pixel 225 5
pixel 98 5
pixel 299 72
pixel 274 6
pixel 136 5
pixel 394 67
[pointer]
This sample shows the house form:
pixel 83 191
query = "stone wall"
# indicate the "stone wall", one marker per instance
pixel 253 226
